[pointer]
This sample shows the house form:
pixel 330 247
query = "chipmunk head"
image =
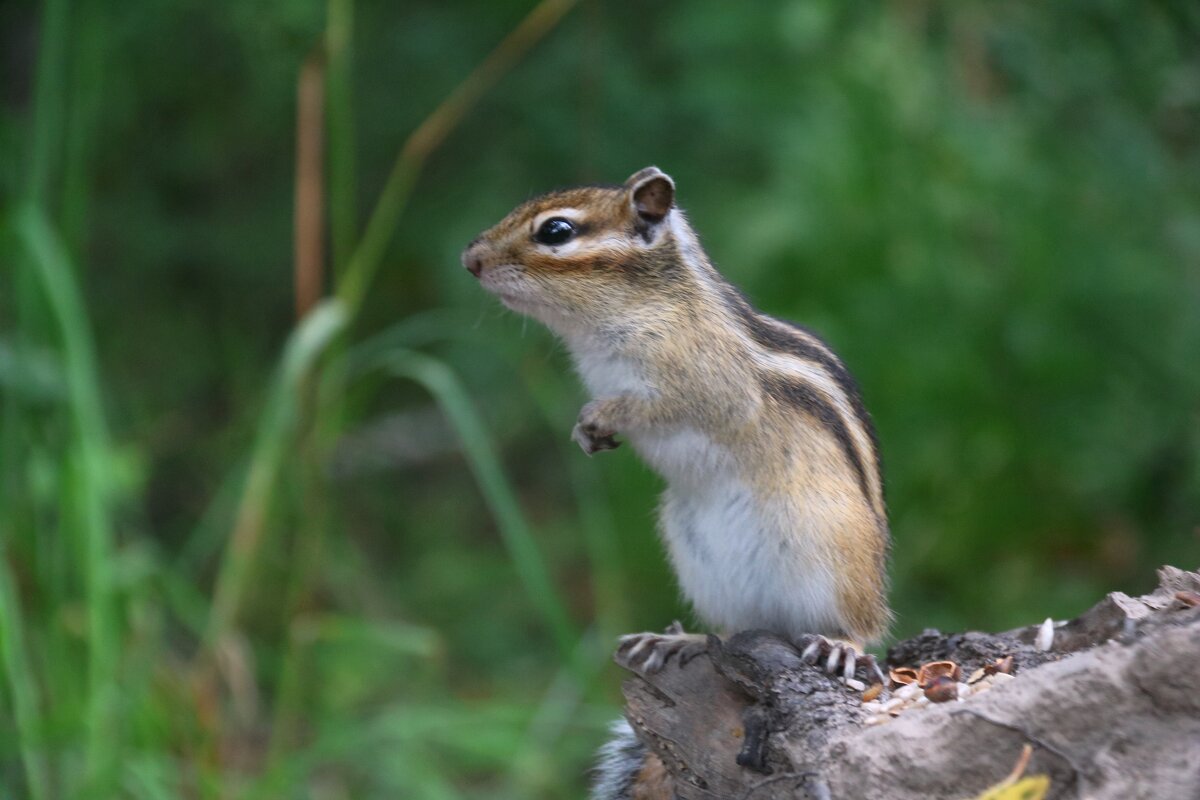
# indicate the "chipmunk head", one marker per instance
pixel 583 257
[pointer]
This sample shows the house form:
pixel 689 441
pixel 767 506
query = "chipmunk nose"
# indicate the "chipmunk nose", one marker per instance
pixel 472 260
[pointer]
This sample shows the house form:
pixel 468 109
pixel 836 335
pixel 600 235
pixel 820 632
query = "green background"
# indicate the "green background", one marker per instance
pixel 991 210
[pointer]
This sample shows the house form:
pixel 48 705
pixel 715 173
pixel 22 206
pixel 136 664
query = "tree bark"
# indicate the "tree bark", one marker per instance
pixel 1111 709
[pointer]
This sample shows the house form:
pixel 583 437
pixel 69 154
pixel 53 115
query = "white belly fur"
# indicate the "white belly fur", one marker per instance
pixel 742 561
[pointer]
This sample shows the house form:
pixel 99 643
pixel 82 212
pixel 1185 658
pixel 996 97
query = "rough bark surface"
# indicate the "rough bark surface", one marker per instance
pixel 1112 710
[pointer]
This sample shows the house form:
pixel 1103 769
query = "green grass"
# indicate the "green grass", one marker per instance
pixel 23 690
pixel 87 488
pixel 118 676
pixel 502 501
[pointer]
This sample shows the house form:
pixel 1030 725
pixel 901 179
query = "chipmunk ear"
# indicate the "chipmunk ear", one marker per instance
pixel 651 193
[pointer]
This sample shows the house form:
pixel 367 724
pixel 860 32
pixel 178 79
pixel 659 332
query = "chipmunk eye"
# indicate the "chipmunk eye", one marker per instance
pixel 555 230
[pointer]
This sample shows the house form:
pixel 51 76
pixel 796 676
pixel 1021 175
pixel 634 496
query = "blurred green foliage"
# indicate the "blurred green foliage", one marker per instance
pixel 991 210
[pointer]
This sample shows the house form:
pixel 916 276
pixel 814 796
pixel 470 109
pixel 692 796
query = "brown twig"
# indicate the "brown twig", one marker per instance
pixel 431 133
pixel 1019 768
pixel 308 221
pixel 446 116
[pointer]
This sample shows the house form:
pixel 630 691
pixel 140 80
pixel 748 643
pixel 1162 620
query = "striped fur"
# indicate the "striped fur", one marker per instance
pixel 774 514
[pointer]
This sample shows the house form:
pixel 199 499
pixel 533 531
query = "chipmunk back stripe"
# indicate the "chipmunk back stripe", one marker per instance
pixel 799 341
pixel 778 336
pixel 817 378
pixel 800 393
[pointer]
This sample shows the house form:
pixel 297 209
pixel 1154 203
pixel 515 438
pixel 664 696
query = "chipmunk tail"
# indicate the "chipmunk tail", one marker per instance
pixel 625 769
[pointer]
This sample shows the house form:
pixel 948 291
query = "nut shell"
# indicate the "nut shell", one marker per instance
pixel 942 689
pixel 1003 666
pixel 1189 599
pixel 937 669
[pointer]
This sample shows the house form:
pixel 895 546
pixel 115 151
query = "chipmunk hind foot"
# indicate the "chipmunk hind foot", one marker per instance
pixel 839 658
pixel 647 653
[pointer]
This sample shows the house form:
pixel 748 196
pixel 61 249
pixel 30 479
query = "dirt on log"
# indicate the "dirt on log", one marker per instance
pixel 1110 705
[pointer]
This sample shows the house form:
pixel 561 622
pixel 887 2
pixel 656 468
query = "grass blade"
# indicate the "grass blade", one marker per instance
pixel 22 686
pixel 47 255
pixel 49 97
pixel 516 532
pixel 546 391
pixel 87 72
pixel 275 431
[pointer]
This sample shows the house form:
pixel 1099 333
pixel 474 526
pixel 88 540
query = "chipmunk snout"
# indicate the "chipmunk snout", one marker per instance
pixel 472 259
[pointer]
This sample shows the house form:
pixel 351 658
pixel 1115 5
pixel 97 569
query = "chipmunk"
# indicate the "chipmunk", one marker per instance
pixel 774 514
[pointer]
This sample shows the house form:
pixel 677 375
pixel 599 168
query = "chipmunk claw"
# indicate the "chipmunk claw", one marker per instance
pixel 648 653
pixel 839 659
pixel 591 440
pixel 593 432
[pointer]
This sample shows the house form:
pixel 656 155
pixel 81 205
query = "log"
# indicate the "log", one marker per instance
pixel 1111 709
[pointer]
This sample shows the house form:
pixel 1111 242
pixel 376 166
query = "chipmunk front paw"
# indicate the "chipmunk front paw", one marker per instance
pixel 593 432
